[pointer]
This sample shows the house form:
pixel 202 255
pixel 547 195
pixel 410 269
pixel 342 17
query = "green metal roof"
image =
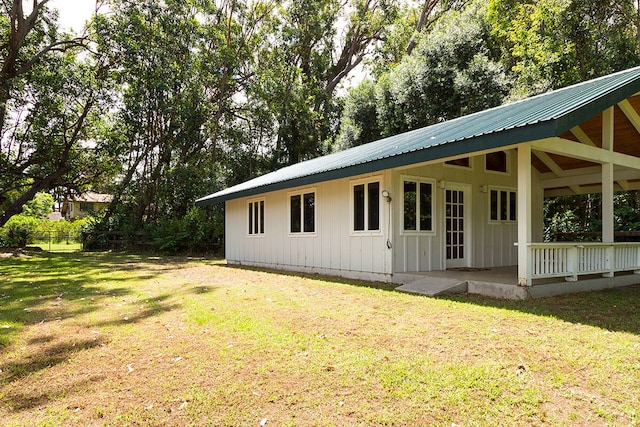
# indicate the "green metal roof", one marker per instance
pixel 543 116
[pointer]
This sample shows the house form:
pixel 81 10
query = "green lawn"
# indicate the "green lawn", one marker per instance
pixel 113 339
pixel 59 247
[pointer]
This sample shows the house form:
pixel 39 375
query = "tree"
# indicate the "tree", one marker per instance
pixel 550 44
pixel 450 73
pixel 307 60
pixel 182 70
pixel 40 206
pixel 47 100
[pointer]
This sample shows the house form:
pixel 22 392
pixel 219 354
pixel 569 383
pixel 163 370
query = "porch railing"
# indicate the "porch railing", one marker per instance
pixel 570 260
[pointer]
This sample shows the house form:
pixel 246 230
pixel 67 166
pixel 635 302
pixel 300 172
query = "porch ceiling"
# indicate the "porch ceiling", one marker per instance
pixel 563 175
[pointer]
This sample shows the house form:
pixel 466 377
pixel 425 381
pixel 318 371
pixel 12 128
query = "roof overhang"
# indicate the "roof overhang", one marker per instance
pixel 538 118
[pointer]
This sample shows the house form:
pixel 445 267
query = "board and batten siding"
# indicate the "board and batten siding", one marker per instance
pixel 332 249
pixel 335 249
pixel 492 242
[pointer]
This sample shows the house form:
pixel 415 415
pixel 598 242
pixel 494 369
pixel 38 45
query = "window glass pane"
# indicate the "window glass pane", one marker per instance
pixel 373 215
pixel 358 207
pixel 410 205
pixel 262 217
pixel 460 162
pixel 503 205
pixel 425 207
pixel 250 218
pixel 256 214
pixel 512 206
pixel 296 209
pixel 309 213
pixel 494 205
pixel 496 161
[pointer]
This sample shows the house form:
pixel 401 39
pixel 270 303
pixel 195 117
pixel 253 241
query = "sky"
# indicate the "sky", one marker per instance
pixel 73 13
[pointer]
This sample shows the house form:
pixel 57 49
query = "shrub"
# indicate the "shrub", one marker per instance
pixel 21 229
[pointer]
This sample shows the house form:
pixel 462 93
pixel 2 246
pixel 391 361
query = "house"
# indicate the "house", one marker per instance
pixel 464 194
pixel 81 205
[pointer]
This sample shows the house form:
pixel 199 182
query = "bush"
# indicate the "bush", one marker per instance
pixel 20 230
pixel 195 232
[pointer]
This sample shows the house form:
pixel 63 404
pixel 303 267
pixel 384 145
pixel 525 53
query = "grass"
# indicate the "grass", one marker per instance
pixel 59 247
pixel 113 339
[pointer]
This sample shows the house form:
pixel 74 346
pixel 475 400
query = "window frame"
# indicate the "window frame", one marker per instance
pixel 466 168
pixel 418 181
pixel 302 193
pixel 352 206
pixel 251 220
pixel 507 160
pixel 509 191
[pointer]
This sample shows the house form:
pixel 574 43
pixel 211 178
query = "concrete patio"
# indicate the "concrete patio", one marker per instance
pixel 502 282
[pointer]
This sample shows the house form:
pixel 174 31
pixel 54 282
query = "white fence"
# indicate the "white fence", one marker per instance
pixel 569 260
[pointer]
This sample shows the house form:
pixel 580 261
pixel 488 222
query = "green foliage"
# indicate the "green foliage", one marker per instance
pixel 550 44
pixel 20 230
pixel 450 73
pixel 360 108
pixel 583 213
pixel 199 231
pixel 40 206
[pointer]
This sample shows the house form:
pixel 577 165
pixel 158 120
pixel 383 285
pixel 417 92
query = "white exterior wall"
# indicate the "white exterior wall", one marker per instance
pixel 332 249
pixel 492 243
pixel 335 249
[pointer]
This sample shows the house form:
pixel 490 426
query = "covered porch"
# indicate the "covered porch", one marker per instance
pixel 599 155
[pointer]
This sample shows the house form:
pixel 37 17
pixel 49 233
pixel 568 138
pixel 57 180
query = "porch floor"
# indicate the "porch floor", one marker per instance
pixel 502 282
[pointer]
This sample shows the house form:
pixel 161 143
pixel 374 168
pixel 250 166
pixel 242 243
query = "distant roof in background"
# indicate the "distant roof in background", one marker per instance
pixel 92 197
pixel 542 116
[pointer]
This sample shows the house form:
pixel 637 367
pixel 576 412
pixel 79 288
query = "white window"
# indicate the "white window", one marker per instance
pixel 496 162
pixel 302 212
pixel 366 205
pixel 502 205
pixel 464 162
pixel 418 205
pixel 256 217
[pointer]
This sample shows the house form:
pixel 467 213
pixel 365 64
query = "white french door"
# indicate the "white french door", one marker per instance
pixel 457 235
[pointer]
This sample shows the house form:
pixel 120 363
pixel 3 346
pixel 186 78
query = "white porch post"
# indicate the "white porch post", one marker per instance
pixel 607 188
pixel 524 214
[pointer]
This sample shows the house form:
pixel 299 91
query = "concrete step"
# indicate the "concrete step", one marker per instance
pixel 430 286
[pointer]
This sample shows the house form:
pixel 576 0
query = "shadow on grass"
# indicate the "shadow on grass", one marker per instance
pixel 40 287
pixel 47 357
pixel 20 401
pixel 316 276
pixel 155 305
pixel 615 309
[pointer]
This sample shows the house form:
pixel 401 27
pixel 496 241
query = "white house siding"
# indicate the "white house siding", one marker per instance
pixel 332 249
pixel 492 242
pixel 335 249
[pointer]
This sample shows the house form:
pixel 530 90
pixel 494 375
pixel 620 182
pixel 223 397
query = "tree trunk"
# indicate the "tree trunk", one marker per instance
pixel 43 184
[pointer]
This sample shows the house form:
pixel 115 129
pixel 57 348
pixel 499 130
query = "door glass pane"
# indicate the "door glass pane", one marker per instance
pixel 425 207
pixel 373 214
pixel 410 205
pixel 296 213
